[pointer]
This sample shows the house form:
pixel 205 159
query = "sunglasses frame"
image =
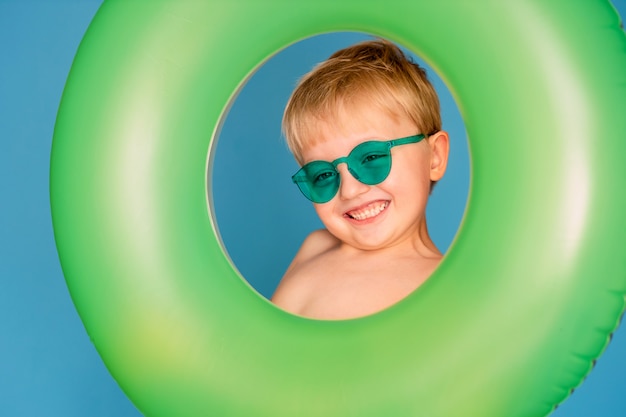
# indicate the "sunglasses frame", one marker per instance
pixel 304 185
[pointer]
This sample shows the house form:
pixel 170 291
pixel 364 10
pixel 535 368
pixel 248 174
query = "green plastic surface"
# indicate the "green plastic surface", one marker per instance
pixel 512 320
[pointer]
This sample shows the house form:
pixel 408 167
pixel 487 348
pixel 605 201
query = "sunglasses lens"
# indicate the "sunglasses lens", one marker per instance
pixel 370 162
pixel 318 181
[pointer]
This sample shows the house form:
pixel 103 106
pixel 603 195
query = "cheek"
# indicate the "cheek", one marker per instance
pixel 410 175
pixel 323 211
pixel 330 218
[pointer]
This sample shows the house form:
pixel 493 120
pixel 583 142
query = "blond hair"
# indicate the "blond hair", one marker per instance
pixel 376 72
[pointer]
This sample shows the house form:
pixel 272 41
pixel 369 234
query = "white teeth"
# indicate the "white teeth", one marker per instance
pixel 371 211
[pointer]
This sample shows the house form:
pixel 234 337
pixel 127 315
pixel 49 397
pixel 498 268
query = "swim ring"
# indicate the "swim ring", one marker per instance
pixel 510 323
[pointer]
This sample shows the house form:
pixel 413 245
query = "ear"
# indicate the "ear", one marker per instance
pixel 440 148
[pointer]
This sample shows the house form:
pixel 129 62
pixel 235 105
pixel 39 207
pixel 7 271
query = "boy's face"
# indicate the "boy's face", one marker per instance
pixel 393 211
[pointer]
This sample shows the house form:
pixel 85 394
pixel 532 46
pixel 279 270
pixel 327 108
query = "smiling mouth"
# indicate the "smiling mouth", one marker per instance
pixel 369 211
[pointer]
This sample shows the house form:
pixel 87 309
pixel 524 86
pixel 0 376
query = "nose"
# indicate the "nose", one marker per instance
pixel 349 186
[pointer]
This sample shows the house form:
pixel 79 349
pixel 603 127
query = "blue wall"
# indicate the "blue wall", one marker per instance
pixel 48 366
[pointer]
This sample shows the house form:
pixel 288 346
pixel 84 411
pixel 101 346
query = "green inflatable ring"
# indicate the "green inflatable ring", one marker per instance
pixel 511 322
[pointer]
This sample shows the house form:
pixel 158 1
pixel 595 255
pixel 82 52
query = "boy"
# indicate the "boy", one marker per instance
pixel 346 121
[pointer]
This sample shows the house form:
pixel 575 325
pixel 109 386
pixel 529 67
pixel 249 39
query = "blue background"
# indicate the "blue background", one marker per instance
pixel 48 365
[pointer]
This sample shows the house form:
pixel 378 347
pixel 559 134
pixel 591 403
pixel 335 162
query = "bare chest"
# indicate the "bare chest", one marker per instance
pixel 343 288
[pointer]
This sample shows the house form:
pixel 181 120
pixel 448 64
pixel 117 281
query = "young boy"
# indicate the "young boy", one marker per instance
pixel 346 122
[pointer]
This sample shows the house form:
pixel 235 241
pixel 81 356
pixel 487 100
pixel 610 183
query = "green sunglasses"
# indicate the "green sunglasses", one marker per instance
pixel 369 162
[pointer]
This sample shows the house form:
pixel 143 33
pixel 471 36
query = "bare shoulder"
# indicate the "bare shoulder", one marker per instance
pixel 316 243
pixel 293 288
